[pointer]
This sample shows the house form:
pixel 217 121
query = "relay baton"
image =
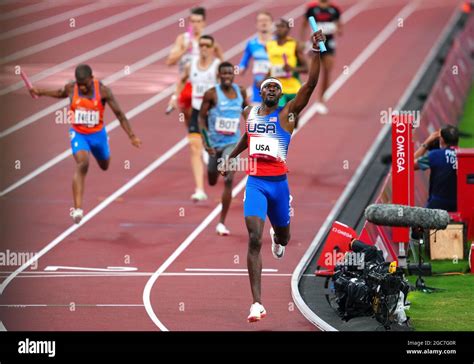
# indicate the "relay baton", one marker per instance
pixel 315 28
pixel 28 84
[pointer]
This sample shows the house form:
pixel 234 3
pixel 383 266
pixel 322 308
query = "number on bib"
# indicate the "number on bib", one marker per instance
pixel 88 118
pixel 263 147
pixel 227 126
pixel 261 67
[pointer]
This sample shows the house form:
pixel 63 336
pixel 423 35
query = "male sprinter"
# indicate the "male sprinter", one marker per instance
pixel 256 49
pixel 268 133
pixel 185 49
pixel 88 97
pixel 219 120
pixel 328 17
pixel 287 61
pixel 202 73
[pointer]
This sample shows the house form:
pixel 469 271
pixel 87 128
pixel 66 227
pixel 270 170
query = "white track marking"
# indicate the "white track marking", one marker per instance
pixel 341 80
pixel 115 123
pixel 266 270
pixel 55 268
pixel 135 180
pixel 2 327
pixel 138 274
pixel 140 33
pixel 66 37
pixel 30 9
pixel 144 173
pixel 34 305
pixel 43 23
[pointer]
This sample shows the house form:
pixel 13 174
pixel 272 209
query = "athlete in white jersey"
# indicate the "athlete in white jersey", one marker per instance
pixel 202 73
pixel 185 49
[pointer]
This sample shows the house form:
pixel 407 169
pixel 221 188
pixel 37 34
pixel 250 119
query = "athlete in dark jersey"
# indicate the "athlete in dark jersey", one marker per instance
pixel 442 164
pixel 327 16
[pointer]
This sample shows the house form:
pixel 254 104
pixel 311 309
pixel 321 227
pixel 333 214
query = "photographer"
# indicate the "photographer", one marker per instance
pixel 442 163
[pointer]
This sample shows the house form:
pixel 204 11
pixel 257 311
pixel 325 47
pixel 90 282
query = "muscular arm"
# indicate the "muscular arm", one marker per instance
pixel 62 93
pixel 109 97
pixel 208 101
pixel 295 106
pixel 177 51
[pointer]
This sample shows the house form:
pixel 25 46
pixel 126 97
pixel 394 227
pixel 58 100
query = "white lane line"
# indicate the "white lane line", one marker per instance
pixel 144 173
pixel 135 111
pixel 34 305
pixel 266 270
pixel 55 268
pixel 2 327
pixel 66 37
pixel 355 65
pixel 43 23
pixel 151 59
pixel 135 180
pixel 137 34
pixel 139 275
pixel 30 9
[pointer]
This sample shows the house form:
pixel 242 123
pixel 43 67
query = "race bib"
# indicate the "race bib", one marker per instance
pixel 261 67
pixel 200 89
pixel 263 147
pixel 328 27
pixel 88 118
pixel 279 72
pixel 227 126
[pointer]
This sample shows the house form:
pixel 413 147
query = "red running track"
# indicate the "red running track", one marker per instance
pixel 143 227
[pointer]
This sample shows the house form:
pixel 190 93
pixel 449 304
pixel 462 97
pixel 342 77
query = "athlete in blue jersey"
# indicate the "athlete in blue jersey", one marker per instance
pixel 268 133
pixel 256 50
pixel 219 121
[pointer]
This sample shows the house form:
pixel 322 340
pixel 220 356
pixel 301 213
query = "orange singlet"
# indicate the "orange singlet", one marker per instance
pixel 88 114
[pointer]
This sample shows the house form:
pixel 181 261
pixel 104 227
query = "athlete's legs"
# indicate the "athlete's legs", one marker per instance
pixel 328 63
pixel 82 166
pixel 254 256
pixel 195 147
pixel 104 164
pixel 226 195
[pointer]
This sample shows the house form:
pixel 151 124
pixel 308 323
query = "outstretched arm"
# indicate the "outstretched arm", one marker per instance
pixel 124 123
pixel 62 93
pixel 295 106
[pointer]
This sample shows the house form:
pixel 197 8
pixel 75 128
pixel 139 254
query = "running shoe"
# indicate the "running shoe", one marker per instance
pixel 257 312
pixel 77 215
pixel 222 230
pixel 277 250
pixel 199 195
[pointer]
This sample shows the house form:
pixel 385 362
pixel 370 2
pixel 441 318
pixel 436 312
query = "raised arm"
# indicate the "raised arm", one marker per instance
pixel 295 106
pixel 177 51
pixel 109 97
pixel 61 93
